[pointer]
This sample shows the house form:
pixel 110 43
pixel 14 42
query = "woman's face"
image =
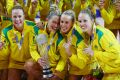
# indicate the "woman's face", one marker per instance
pixel 53 23
pixel 18 17
pixel 66 23
pixel 85 22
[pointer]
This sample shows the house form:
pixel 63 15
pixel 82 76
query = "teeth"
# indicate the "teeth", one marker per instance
pixel 82 27
pixel 64 28
pixel 17 22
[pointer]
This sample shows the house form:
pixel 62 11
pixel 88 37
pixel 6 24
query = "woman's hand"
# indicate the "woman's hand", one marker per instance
pixel 43 61
pixel 34 6
pixel 67 48
pixel 89 51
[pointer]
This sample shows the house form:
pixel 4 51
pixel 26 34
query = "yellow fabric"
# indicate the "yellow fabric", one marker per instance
pixel 78 6
pixel 111 77
pixel 33 45
pixel 4 58
pixel 4 54
pixel 78 60
pixel 10 4
pixel 18 57
pixel 106 54
pixel 108 16
pixel 111 17
pixel 1 9
pixel 66 5
pixel 43 7
pixel 106 50
pixel 56 62
pixel 54 57
pixel 32 16
pixel 60 4
pixel 4 23
pixel 25 7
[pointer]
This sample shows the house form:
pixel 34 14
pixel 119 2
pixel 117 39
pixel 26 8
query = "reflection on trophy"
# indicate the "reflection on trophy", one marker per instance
pixel 41 40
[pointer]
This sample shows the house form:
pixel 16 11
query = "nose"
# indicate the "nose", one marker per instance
pixel 81 23
pixel 17 18
pixel 56 25
pixel 62 24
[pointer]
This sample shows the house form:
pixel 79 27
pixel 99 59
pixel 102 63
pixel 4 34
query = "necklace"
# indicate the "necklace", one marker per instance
pixel 19 42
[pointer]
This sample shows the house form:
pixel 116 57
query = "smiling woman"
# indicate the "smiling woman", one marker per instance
pixel 15 39
pixel 18 18
pixel 68 46
pixel 86 20
pixel 67 21
pixel 101 45
pixel 35 65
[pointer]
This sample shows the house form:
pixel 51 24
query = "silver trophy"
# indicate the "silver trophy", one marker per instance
pixel 42 42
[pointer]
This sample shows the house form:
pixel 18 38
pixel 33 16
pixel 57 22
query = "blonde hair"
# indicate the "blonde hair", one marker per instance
pixel 70 13
pixel 18 7
pixel 89 12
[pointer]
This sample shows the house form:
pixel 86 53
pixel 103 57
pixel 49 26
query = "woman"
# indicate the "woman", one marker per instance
pixel 34 66
pixel 15 43
pixel 69 41
pixel 101 45
pixel 24 3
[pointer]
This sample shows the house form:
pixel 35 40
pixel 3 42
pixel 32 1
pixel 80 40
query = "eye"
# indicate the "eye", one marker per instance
pixel 14 16
pixel 19 16
pixel 66 22
pixel 79 21
pixel 61 21
pixel 54 22
pixel 85 20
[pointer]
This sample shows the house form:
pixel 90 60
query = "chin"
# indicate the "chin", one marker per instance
pixel 18 26
pixel 63 32
pixel 84 30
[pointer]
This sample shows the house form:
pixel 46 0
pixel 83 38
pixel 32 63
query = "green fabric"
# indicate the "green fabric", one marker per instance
pixel 5 30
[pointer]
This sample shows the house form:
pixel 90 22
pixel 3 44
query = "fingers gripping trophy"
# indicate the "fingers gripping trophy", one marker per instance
pixel 43 48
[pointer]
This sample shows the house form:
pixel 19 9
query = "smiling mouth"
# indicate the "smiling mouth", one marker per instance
pixel 64 29
pixel 17 22
pixel 55 28
pixel 83 27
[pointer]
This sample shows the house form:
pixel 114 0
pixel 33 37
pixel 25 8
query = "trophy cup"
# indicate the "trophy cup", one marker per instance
pixel 41 40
